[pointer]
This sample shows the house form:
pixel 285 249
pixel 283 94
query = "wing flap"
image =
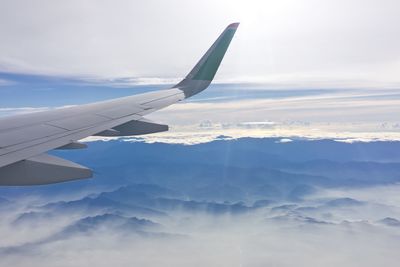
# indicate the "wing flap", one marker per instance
pixel 135 127
pixel 72 145
pixel 42 169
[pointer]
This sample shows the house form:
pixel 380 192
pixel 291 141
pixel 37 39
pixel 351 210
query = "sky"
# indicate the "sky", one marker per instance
pixel 287 43
pixel 296 72
pixel 295 67
pixel 320 69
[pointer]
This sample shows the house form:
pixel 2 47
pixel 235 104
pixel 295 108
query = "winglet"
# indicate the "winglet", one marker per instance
pixel 234 25
pixel 204 71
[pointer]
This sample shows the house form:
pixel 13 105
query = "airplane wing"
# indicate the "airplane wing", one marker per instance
pixel 25 139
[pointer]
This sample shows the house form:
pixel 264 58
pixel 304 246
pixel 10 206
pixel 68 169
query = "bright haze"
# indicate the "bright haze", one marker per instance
pixel 290 158
pixel 291 43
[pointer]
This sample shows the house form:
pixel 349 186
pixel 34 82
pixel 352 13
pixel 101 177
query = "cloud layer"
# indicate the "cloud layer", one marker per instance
pixel 290 42
pixel 347 115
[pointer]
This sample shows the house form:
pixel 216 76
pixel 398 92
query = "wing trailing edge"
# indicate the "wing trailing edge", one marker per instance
pixel 135 127
pixel 42 169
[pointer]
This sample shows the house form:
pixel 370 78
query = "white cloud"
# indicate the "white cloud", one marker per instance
pixel 297 43
pixel 5 82
pixel 21 110
pixel 24 110
pixel 285 140
pixel 344 115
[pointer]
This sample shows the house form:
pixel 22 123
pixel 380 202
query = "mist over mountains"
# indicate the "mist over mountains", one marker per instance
pixel 246 169
pixel 217 196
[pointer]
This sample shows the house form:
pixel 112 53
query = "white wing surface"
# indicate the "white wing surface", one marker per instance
pixel 25 139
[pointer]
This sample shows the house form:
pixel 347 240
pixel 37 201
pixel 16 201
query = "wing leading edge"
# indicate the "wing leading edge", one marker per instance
pixel 25 139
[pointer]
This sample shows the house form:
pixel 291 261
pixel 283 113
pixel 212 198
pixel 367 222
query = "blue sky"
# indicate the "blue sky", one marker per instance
pixel 25 90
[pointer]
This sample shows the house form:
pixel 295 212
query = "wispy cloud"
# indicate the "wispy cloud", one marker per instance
pixel 25 110
pixel 20 110
pixel 6 82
